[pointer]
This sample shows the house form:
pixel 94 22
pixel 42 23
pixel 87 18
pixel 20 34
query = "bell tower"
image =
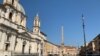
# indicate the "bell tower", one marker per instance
pixel 36 23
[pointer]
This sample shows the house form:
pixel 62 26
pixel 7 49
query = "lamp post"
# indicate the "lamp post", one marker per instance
pixel 84 34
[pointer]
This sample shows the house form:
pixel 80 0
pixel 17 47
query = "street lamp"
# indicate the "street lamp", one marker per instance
pixel 84 34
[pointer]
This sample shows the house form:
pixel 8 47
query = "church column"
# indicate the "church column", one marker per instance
pixel 43 47
pixel 18 18
pixel 2 45
pixel 13 40
pixel 14 17
pixel 27 47
pixel 7 14
pixel 24 22
pixel 18 47
pixel 15 4
pixel 33 48
pixel 2 14
pixel 39 49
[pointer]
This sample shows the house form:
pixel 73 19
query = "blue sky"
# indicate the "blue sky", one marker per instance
pixel 55 13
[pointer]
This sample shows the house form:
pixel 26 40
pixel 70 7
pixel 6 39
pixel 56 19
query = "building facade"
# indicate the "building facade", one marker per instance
pixel 92 48
pixel 57 50
pixel 15 39
pixel 51 49
pixel 70 51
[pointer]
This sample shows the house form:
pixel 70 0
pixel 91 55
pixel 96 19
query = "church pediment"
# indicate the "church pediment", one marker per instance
pixel 26 34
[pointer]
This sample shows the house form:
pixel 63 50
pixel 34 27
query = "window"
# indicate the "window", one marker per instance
pixel 6 47
pixel 10 16
pixel 23 47
pixel 7 41
pixel 41 51
pixel 99 49
pixel 99 38
pixel 99 43
pixel 12 2
pixel 29 49
pixel 8 36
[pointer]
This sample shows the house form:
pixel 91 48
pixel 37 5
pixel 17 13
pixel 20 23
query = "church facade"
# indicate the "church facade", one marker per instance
pixel 15 39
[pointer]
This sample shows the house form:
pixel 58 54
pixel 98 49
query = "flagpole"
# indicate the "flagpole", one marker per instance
pixel 84 34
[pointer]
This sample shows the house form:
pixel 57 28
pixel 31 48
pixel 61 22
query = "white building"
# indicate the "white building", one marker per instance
pixel 15 40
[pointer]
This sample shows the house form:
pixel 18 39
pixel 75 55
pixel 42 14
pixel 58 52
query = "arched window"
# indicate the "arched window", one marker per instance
pixel 10 16
pixel 23 47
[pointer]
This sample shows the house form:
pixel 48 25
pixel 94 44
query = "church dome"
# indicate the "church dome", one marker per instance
pixel 20 8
